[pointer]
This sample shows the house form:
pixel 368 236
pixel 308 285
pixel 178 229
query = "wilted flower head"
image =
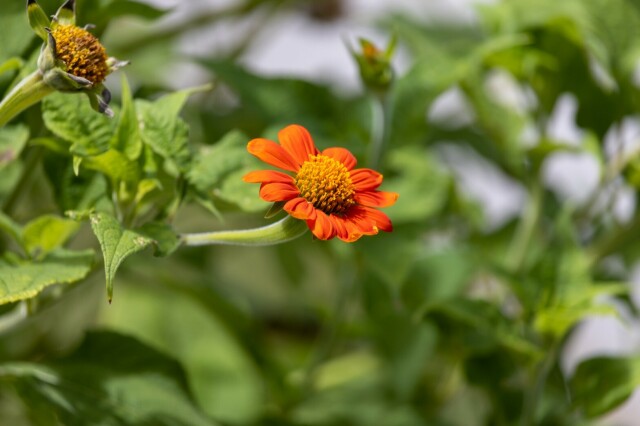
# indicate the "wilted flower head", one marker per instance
pixel 325 190
pixel 72 59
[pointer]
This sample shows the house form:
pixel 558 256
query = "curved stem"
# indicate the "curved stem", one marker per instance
pixel 28 92
pixel 282 231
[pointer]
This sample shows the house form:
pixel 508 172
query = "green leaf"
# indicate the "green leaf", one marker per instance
pixel 71 117
pixel 127 137
pixel 163 130
pixel 26 280
pixel 114 164
pixel 217 171
pixel 13 139
pixel 116 244
pixel 110 379
pixel 46 233
pixel 601 384
pixel 165 239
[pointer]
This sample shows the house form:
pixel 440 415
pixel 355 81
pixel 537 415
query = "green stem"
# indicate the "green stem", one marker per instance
pixel 526 229
pixel 28 92
pixel 282 231
pixel 379 117
pixel 534 395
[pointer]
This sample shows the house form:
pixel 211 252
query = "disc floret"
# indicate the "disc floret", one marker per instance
pixel 326 184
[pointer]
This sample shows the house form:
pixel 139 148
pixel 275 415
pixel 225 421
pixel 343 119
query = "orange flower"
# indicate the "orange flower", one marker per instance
pixel 335 199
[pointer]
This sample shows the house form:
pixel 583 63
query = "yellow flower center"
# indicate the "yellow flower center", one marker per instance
pixel 326 183
pixel 81 52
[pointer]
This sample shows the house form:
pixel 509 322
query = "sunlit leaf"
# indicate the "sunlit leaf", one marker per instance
pixel 116 243
pixel 26 280
pixel 71 117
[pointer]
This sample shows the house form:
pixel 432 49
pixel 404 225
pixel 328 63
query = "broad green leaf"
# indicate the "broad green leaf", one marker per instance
pixel 13 139
pixel 162 128
pixel 213 163
pixel 115 165
pixel 177 318
pixel 116 244
pixel 25 280
pixel 46 233
pixel 127 136
pixel 110 379
pixel 70 117
pixel 601 384
pixel 218 172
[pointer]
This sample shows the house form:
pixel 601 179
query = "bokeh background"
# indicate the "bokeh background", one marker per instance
pixel 313 333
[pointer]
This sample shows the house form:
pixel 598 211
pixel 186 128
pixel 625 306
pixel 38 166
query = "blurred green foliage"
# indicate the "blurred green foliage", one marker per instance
pixel 450 320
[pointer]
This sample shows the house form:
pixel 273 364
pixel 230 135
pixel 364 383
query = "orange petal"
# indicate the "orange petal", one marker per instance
pixel 365 179
pixel 272 153
pixel 277 191
pixel 321 227
pixel 342 155
pixel 381 220
pixel 300 209
pixel 345 230
pixel 376 198
pixel 297 141
pixel 267 176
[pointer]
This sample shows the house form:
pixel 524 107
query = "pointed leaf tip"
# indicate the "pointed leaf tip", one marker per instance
pixel 66 14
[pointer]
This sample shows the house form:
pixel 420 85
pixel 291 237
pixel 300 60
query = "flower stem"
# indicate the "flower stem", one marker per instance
pixel 379 117
pixel 28 92
pixel 534 394
pixel 526 228
pixel 282 231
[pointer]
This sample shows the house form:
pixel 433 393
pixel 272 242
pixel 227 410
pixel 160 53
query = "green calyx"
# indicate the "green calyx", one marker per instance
pixel 279 232
pixel 375 66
